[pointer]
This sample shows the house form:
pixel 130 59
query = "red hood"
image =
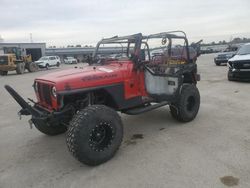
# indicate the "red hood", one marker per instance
pixel 89 76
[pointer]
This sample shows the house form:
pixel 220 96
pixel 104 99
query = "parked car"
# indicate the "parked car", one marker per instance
pixel 239 65
pixel 177 52
pixel 48 61
pixel 222 58
pixel 70 60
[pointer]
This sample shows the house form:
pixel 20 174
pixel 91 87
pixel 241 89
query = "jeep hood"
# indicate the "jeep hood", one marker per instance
pixel 240 57
pixel 82 77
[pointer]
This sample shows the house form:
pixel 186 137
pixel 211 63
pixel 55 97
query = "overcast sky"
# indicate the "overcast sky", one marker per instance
pixel 63 22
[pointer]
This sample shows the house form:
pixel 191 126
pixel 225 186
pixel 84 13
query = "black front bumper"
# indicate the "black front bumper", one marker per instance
pixel 39 115
pixel 239 74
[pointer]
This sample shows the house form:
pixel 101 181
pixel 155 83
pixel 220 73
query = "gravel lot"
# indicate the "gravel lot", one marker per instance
pixel 211 151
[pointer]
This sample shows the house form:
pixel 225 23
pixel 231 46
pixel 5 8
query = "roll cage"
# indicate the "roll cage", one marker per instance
pixel 139 39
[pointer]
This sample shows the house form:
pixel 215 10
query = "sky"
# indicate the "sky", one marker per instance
pixel 71 22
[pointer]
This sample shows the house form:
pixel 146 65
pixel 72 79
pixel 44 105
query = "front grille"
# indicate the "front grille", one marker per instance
pixel 3 60
pixel 241 65
pixel 44 91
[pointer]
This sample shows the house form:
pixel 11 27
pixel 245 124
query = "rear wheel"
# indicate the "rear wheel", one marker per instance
pixel 20 68
pixel 32 67
pixel 187 106
pixel 95 134
pixel 3 73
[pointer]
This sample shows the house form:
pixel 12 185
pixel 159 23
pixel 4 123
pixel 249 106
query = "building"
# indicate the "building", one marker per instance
pixel 77 52
pixel 80 53
pixel 36 50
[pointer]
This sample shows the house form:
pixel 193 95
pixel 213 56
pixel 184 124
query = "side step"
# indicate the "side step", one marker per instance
pixel 141 110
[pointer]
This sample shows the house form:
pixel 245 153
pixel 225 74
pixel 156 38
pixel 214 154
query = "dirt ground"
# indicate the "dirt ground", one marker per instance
pixel 211 151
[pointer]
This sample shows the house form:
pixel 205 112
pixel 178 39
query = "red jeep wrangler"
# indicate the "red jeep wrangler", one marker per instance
pixel 84 101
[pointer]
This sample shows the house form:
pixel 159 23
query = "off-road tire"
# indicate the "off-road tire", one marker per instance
pixel 3 73
pixel 187 105
pixel 20 68
pixel 51 130
pixel 32 67
pixel 82 135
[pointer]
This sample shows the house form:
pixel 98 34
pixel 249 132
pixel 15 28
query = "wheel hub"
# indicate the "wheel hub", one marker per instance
pixel 101 136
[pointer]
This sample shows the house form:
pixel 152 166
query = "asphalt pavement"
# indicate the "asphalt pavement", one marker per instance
pixel 211 151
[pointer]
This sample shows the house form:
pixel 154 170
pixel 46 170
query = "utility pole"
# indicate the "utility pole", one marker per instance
pixel 31 39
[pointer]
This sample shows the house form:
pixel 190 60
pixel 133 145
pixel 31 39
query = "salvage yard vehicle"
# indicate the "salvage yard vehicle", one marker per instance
pixel 228 53
pixel 12 60
pixel 222 58
pixel 85 101
pixel 239 65
pixel 48 61
pixel 70 60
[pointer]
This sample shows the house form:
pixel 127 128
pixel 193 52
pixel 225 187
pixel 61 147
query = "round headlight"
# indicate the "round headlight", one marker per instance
pixel 53 91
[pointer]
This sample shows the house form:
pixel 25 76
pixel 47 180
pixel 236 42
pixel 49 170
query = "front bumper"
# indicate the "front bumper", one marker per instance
pixel 39 114
pixel 220 60
pixel 241 74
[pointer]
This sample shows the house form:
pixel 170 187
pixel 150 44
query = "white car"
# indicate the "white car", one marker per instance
pixel 48 61
pixel 70 60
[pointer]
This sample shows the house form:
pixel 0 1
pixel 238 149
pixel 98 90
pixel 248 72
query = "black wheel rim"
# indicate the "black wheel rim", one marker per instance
pixel 190 103
pixel 101 136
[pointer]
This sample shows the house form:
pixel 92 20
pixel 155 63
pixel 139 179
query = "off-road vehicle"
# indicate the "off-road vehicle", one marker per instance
pixel 12 60
pixel 85 101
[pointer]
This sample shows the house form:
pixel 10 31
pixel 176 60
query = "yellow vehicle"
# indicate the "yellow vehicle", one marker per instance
pixel 12 60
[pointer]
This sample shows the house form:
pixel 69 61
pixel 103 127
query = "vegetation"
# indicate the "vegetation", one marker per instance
pixel 233 41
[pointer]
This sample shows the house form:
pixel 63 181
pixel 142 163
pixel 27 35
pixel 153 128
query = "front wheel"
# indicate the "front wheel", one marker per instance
pixel 95 134
pixel 20 68
pixel 32 67
pixel 58 64
pixel 230 76
pixel 187 105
